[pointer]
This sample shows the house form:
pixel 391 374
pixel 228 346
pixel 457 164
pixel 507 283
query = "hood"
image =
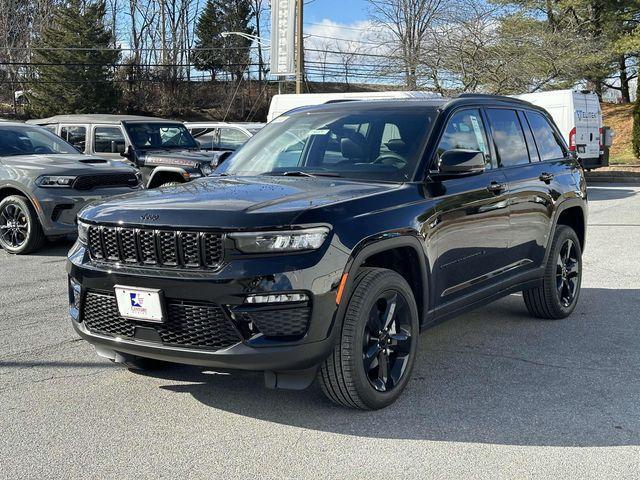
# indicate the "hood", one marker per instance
pixel 177 157
pixel 72 164
pixel 230 202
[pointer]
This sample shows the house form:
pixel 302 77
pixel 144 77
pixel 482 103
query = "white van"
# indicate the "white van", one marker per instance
pixel 578 115
pixel 285 102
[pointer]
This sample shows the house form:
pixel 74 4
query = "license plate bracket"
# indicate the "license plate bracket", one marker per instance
pixel 142 304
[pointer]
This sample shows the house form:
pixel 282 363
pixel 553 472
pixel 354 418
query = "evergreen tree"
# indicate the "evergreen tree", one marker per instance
pixel 74 66
pixel 234 55
pixel 208 30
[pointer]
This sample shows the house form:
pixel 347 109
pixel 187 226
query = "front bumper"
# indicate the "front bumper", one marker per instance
pixel 226 288
pixel 57 208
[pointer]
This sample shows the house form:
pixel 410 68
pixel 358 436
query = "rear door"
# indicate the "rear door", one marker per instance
pixel 594 122
pixel 470 230
pixel 531 181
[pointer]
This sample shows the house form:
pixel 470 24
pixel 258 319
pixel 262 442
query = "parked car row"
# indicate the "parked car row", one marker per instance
pixel 53 167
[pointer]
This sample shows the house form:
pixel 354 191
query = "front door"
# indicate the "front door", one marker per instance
pixel 470 228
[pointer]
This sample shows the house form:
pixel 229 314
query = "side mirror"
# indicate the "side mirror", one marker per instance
pixel 459 163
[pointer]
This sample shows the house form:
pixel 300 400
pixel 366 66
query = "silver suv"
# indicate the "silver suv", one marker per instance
pixel 45 181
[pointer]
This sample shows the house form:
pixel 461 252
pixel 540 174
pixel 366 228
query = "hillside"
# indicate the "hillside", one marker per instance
pixel 619 118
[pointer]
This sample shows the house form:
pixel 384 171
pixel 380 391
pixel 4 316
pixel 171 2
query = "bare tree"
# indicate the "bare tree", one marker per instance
pixel 408 24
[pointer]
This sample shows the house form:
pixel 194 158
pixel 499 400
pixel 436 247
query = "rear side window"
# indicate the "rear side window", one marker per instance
pixel 108 140
pixel 508 137
pixel 548 143
pixel 232 138
pixel 206 137
pixel 76 136
pixel 465 130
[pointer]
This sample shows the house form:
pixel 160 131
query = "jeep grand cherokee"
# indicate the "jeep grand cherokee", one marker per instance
pixel 332 239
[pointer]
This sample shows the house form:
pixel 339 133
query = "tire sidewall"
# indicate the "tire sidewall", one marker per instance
pixel 372 397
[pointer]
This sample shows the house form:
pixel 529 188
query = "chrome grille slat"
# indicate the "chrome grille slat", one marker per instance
pixel 156 248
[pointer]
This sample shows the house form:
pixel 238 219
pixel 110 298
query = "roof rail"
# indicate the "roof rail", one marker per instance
pixel 488 95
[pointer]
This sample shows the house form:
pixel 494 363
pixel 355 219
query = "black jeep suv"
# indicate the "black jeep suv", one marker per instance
pixel 332 239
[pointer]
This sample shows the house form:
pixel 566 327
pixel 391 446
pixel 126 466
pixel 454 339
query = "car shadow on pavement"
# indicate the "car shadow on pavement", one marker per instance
pixel 494 375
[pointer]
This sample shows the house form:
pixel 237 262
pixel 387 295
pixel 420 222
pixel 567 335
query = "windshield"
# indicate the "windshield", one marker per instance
pixel 19 140
pixel 156 135
pixel 381 144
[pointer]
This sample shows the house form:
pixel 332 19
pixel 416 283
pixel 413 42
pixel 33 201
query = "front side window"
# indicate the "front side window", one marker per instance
pixel 31 141
pixel 549 145
pixel 108 140
pixel 465 131
pixel 508 137
pixel 76 136
pixel 232 138
pixel 157 135
pixel 337 143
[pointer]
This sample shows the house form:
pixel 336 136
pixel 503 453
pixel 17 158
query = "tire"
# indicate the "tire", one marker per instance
pixel 557 295
pixel 343 376
pixel 20 229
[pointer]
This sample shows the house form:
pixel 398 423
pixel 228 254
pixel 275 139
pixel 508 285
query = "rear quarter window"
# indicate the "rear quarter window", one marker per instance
pixel 548 143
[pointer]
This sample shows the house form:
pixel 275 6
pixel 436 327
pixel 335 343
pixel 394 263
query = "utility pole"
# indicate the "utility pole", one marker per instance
pixel 299 47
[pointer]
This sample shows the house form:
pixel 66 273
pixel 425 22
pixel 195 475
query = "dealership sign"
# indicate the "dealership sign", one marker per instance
pixel 283 14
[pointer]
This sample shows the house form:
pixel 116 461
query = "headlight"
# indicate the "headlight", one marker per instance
pixel 55 181
pixel 284 241
pixel 83 232
pixel 206 169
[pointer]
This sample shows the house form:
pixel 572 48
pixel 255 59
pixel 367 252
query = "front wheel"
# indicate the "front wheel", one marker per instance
pixel 20 229
pixel 557 295
pixel 372 361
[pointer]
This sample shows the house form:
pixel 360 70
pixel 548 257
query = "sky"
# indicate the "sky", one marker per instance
pixel 340 11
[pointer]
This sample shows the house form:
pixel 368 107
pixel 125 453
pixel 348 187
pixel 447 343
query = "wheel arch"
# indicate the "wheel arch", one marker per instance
pixel 9 189
pixel 571 213
pixel 162 175
pixel 403 254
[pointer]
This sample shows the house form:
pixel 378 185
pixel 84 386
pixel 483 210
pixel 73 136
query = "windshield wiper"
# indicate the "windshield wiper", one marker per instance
pixel 300 173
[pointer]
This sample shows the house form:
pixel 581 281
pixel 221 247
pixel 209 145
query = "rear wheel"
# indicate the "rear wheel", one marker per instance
pixel 20 229
pixel 556 297
pixel 372 361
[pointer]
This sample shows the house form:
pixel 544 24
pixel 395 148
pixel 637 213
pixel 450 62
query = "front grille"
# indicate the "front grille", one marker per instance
pixel 187 324
pixel 281 322
pixel 104 180
pixel 165 248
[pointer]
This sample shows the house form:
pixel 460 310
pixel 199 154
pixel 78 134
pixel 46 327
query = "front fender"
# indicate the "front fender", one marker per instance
pixel 179 173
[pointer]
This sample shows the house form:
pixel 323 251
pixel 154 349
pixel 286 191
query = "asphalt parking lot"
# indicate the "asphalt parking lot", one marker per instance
pixel 495 394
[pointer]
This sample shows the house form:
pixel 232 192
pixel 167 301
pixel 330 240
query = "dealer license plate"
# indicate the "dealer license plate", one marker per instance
pixel 140 303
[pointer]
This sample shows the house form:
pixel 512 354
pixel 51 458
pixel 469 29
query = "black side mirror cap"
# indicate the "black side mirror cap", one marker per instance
pixel 459 163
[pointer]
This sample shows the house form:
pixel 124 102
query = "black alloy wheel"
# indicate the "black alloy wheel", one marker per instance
pixel 387 341
pixel 377 346
pixel 567 272
pixel 14 226
pixel 557 294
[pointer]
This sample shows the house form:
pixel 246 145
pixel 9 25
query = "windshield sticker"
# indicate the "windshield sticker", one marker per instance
pixel 319 131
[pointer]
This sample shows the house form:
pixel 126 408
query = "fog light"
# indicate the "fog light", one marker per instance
pixel 277 298
pixel 75 297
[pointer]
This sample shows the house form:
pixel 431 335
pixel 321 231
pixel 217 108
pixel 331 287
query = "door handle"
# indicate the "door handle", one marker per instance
pixel 495 187
pixel 546 177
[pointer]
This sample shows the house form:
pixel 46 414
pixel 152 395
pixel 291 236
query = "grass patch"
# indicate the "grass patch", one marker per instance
pixel 619 118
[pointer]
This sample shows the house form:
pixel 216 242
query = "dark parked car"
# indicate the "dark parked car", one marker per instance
pixel 44 181
pixel 163 150
pixel 326 244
